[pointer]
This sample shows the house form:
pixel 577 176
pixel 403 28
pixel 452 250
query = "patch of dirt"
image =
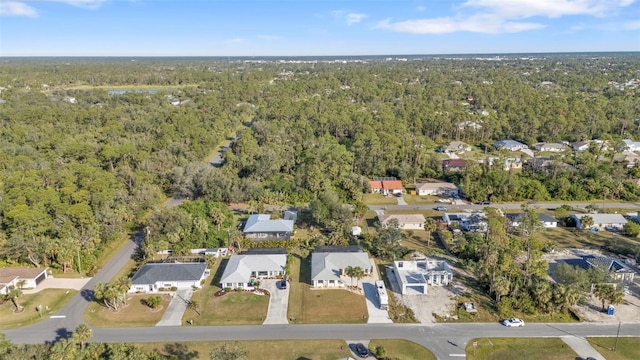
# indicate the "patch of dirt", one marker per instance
pixel 440 300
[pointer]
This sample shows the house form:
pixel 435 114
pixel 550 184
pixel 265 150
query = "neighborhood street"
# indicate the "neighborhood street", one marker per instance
pixel 442 339
pixel 620 205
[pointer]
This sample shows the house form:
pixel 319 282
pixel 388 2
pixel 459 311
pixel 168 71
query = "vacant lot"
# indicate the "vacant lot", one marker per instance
pixel 135 314
pixel 263 350
pixel 379 199
pixel 308 306
pixel 50 299
pixel 521 349
pixel 402 349
pixel 626 349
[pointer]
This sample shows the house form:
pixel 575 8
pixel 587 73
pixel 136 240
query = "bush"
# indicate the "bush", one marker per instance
pixel 174 288
pixel 161 289
pixel 152 302
pixel 227 289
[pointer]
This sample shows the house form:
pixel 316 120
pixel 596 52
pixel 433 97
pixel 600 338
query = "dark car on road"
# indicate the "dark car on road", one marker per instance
pixel 440 208
pixel 361 350
pixel 484 202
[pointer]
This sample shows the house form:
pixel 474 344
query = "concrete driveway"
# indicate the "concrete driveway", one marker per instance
pixel 278 302
pixel 58 283
pixel 178 305
pixel 376 316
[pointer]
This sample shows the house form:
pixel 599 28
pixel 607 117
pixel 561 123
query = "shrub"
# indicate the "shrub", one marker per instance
pixel 174 288
pixel 227 289
pixel 161 289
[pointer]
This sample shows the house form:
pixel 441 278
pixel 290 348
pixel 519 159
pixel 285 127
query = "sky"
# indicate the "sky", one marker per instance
pixel 314 27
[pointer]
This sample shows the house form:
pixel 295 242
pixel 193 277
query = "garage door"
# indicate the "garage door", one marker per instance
pixel 40 278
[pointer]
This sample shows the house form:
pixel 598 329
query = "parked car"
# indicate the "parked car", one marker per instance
pixel 361 350
pixel 513 322
pixel 441 208
pixel 484 202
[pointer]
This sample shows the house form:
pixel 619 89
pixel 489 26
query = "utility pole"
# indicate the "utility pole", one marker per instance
pixel 615 347
pixel 79 264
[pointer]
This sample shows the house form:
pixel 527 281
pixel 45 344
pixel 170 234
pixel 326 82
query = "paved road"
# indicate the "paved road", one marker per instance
pixel 443 339
pixel 630 206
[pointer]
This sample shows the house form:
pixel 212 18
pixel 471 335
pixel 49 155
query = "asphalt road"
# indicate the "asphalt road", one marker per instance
pixel 443 339
pixel 630 206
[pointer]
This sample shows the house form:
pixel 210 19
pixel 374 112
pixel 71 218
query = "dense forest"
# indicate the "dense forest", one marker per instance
pixel 88 145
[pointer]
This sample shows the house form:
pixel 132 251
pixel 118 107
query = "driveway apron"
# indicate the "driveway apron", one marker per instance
pixel 582 347
pixel 278 302
pixel 376 316
pixel 176 309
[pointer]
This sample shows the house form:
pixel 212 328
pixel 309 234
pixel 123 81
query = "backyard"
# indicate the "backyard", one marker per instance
pixel 309 306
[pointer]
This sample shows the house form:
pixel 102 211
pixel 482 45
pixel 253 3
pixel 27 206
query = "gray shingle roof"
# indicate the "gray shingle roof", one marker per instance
pixel 239 267
pixel 263 223
pixel 152 273
pixel 326 266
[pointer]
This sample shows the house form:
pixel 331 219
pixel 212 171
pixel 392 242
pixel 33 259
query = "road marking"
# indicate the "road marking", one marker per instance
pixel 57 316
pixel 458 355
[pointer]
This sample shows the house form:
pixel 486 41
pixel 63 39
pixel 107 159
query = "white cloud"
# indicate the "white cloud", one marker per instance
pixel 421 8
pixel 22 7
pixel 632 25
pixel 349 18
pixel 15 8
pixel 505 16
pixel 234 41
pixel 549 8
pixel 478 23
pixel 353 18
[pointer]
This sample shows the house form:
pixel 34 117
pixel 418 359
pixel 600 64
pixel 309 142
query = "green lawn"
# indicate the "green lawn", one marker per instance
pixel 263 350
pixel 421 200
pixel 576 238
pixel 628 348
pixel 379 199
pixel 520 348
pixel 54 299
pixel 309 306
pixel 135 314
pixel 233 308
pixel 402 349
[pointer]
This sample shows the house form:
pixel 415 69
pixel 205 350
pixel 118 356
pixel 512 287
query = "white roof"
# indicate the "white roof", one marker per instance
pixel 326 266
pixel 263 223
pixel 436 186
pixel 239 267
pixel 402 218
pixel 604 218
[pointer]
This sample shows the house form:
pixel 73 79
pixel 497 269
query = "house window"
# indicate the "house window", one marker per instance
pixel 167 285
pixel 263 273
pixel 229 285
pixel 400 264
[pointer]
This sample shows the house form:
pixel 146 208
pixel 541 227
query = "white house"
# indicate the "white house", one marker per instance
pixel 242 270
pixel 475 221
pixel 405 221
pixel 328 264
pixel 602 221
pixel 617 268
pixel 23 277
pixel 454 147
pixel 546 220
pixel 549 147
pixel 509 145
pixel 437 188
pixel 580 146
pixel 262 227
pixel 153 277
pixel 632 145
pixel 419 273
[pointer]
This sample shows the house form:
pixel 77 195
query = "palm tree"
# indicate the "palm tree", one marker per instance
pixel 586 222
pixel 603 292
pixel 217 217
pixel 13 294
pixel 21 284
pixel 123 284
pixel 349 271
pixel 358 273
pixel 430 225
pixel 194 305
pixel 82 334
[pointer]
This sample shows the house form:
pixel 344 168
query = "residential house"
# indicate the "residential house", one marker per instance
pixel 630 160
pixel 262 227
pixel 24 277
pixel 632 145
pixel 580 145
pixel 512 164
pixel 154 277
pixel 454 147
pixel 618 269
pixel 602 221
pixel 475 221
pixel 511 145
pixel 419 273
pixel 549 147
pixel 546 220
pixel 453 165
pixel 328 264
pixel 243 270
pixel 405 221
pixel 437 188
pixel 386 186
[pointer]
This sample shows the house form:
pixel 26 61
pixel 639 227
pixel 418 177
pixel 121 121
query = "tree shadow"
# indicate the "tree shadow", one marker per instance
pixel 62 333
pixel 180 352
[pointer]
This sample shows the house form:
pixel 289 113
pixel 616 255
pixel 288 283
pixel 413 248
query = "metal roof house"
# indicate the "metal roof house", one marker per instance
pixel 617 268
pixel 405 221
pixel 602 221
pixel 328 264
pixel 261 227
pixel 509 145
pixel 242 269
pixel 153 276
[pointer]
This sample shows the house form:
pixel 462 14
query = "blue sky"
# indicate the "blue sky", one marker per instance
pixel 314 27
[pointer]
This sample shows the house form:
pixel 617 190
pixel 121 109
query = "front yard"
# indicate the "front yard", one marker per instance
pixel 402 349
pixel 522 349
pixel 628 348
pixel 135 314
pixel 309 306
pixel 379 199
pixel 233 308
pixel 51 301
